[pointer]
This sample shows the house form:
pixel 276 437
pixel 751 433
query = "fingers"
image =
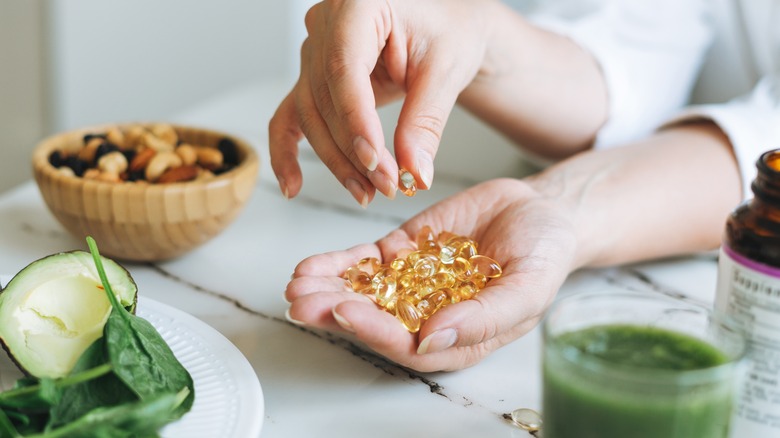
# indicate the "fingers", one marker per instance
pixel 348 59
pixel 346 44
pixel 421 123
pixel 316 310
pixel 284 135
pixel 507 308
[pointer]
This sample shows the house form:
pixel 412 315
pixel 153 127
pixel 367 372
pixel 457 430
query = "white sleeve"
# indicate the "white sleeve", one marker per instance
pixel 751 122
pixel 649 51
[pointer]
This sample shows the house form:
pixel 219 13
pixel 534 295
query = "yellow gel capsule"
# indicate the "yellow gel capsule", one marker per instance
pixel 480 280
pixel 425 234
pixel 399 264
pixel 369 265
pixel 358 280
pixel 467 290
pixel 486 266
pixel 426 266
pixel 407 184
pixel 409 315
pixel 461 268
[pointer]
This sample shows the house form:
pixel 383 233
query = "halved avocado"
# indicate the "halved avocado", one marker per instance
pixel 55 308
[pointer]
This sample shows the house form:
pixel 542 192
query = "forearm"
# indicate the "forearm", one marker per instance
pixel 667 195
pixel 538 88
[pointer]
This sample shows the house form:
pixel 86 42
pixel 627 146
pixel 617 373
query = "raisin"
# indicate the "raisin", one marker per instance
pixel 229 151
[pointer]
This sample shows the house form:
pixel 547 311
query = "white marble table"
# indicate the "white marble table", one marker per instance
pixel 317 384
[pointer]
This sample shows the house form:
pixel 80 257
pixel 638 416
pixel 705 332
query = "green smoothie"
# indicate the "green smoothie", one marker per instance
pixel 630 381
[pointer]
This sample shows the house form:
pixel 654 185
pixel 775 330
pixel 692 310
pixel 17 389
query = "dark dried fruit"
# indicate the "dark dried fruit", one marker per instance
pixel 229 151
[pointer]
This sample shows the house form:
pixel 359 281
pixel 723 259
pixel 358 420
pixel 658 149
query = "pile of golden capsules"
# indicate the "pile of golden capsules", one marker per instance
pixel 444 269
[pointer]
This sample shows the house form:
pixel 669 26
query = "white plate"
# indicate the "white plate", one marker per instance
pixel 228 397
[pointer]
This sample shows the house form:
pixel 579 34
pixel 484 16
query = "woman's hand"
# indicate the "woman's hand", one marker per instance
pixel 529 235
pixel 361 54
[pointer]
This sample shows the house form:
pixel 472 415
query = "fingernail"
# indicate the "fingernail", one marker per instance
pixel 383 183
pixel 283 188
pixel 365 153
pixel 293 320
pixel 438 341
pixel 346 325
pixel 357 191
pixel 425 169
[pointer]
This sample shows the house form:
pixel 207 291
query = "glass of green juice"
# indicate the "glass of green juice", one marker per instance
pixel 638 365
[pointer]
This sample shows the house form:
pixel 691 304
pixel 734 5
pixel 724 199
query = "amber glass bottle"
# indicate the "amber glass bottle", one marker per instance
pixel 749 291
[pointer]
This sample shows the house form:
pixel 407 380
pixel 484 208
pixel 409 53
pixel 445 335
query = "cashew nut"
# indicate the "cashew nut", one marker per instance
pixel 133 136
pixel 115 136
pixel 160 163
pixel 187 154
pixel 152 141
pixel 210 158
pixel 165 133
pixel 113 162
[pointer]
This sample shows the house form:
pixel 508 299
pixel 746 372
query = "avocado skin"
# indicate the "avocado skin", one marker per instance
pixel 52 258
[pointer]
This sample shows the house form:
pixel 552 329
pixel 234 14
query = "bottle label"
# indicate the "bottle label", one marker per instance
pixel 750 293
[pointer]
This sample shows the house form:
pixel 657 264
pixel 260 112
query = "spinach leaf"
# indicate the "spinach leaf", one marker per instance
pixel 140 356
pixel 141 418
pixel 46 393
pixel 104 390
pixel 7 428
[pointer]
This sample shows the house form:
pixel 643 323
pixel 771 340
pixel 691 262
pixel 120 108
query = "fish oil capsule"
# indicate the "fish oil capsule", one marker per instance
pixel 467 290
pixel 384 286
pixel 425 308
pixel 399 264
pixel 425 233
pixel 426 266
pixel 413 256
pixel 409 315
pixel 453 297
pixel 407 184
pixel 485 265
pixel 358 280
pixel 480 280
pixel 369 265
pixel 445 236
pixel 437 299
pixel 442 279
pixel 447 254
pixel 527 419
pixel 467 249
pixel 425 287
pixel 406 280
pixel 430 247
pixel 461 268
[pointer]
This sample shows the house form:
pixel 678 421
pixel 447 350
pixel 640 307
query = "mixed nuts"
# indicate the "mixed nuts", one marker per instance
pixel 145 154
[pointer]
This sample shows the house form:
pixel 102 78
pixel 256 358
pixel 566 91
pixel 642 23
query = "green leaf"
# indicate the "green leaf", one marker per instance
pixel 141 418
pixel 105 390
pixel 140 356
pixel 7 428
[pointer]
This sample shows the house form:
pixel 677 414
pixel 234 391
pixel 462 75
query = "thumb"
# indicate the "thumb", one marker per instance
pixel 501 313
pixel 421 123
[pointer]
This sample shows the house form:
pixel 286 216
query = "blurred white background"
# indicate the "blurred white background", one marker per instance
pixel 67 64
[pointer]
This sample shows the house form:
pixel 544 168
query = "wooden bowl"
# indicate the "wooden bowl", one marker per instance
pixel 139 221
